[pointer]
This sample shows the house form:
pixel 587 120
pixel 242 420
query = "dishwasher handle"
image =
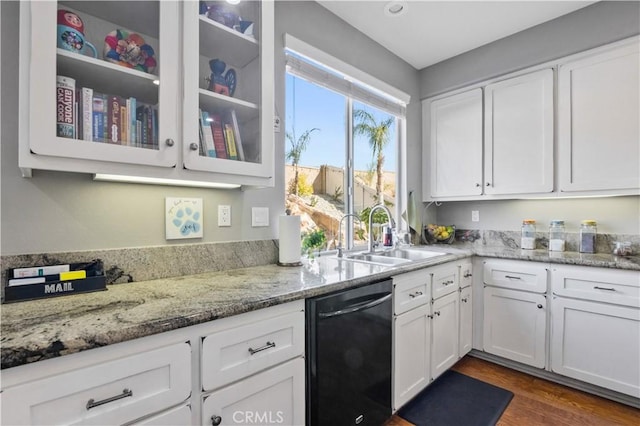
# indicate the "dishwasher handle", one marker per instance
pixel 356 307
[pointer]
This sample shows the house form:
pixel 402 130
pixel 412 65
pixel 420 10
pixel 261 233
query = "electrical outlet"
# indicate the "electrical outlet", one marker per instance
pixel 475 216
pixel 224 215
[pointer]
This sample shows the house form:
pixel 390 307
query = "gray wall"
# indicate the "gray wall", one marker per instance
pixel 55 211
pixel 593 26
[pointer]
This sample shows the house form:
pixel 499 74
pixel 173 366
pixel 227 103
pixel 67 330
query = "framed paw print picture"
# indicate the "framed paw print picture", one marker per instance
pixel 183 218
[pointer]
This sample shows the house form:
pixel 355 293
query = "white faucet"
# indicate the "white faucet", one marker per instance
pixel 390 223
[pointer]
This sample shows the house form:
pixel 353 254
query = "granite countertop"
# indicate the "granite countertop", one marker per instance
pixel 42 329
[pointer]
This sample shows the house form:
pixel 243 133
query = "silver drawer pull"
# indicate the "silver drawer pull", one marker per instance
pixel 604 288
pixel 216 420
pixel 467 275
pixel 416 294
pixel 447 282
pixel 511 277
pixel 464 300
pixel 92 403
pixel 265 347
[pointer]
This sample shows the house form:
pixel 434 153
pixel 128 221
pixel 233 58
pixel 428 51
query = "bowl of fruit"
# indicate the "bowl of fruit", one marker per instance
pixel 440 233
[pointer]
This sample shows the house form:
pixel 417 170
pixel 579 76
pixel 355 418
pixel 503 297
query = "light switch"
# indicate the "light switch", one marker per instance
pixel 259 216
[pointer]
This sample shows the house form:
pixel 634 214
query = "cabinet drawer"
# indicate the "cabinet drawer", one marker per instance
pixel 176 416
pixel 235 353
pixel 604 285
pixel 411 290
pixel 444 280
pixel 516 275
pixel 114 392
pixel 466 274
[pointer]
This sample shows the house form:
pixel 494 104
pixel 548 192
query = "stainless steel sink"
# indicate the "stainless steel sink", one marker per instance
pixel 410 253
pixel 377 259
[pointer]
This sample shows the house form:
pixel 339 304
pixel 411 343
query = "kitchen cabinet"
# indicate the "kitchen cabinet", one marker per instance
pixel 515 318
pixel 599 120
pixel 274 396
pixel 411 335
pixel 176 416
pixel 168 146
pixel 444 334
pixel 595 333
pixel 117 391
pixel 454 126
pixel 518 134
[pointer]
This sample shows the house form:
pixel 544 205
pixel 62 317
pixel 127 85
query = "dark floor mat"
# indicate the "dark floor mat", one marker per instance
pixel 455 399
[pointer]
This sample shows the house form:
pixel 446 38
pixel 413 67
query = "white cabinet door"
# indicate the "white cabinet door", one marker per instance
pixel 597 343
pixel 411 359
pixel 465 341
pixel 275 396
pixel 599 121
pixel 518 134
pixel 444 334
pixel 515 325
pixel 455 137
pixel 43 103
pixel 248 111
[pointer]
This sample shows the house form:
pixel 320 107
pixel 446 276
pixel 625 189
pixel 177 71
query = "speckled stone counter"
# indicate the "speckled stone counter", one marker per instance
pixel 42 329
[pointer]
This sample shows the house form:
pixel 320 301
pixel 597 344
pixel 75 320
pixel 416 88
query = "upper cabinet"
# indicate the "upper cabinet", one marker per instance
pixel 121 88
pixel 454 125
pixel 496 139
pixel 517 154
pixel 599 114
pixel 518 134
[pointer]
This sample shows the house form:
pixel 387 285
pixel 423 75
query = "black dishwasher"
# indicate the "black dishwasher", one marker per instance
pixel 349 357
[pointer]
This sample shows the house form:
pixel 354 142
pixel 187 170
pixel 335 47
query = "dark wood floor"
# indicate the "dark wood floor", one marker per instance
pixel 540 402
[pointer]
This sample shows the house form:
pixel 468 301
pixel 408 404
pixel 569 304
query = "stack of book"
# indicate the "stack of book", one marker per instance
pixel 83 113
pixel 55 280
pixel 220 135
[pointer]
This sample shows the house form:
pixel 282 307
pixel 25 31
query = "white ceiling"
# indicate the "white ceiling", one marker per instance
pixel 427 31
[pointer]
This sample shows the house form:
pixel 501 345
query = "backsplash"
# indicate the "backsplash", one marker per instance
pixel 511 239
pixel 149 263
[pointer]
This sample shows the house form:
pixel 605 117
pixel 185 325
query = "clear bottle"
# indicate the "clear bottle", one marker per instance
pixel 556 235
pixel 528 239
pixel 588 233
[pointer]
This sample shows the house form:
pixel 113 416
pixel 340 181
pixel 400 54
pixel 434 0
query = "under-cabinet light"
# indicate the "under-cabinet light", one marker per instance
pixel 162 181
pixel 233 1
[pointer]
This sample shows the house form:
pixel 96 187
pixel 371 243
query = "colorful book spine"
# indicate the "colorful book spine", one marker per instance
pixel 233 121
pixel 124 122
pixel 87 113
pixel 231 143
pixel 209 145
pixel 99 109
pixel 65 104
pixel 133 133
pixel 154 128
pixel 141 116
pixel 218 136
pixel 113 132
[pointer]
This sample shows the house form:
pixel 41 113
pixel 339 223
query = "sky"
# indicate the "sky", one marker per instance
pixel 323 109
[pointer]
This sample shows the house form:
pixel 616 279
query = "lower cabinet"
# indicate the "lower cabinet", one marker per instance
pixel 596 327
pixel 176 416
pixel 117 391
pixel 274 396
pixel 412 360
pixel 465 339
pixel 515 325
pixel 444 334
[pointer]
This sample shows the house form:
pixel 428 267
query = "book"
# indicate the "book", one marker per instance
pixel 154 127
pixel 87 113
pixel 218 136
pixel 230 140
pixel 124 122
pixel 207 132
pixel 133 133
pixel 232 119
pixel 141 117
pixel 98 113
pixel 113 127
pixel 65 105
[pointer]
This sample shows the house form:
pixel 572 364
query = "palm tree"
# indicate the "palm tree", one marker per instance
pixel 298 145
pixel 378 135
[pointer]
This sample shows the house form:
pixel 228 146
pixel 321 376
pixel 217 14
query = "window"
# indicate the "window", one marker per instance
pixel 342 144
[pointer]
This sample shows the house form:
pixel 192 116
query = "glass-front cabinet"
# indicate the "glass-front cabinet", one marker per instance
pixel 178 90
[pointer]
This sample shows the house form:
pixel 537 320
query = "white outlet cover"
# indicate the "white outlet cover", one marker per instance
pixel 259 216
pixel 475 215
pixel 224 215
pixel 183 218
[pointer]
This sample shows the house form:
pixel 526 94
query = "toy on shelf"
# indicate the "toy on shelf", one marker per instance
pixel 219 13
pixel 129 50
pixel 219 81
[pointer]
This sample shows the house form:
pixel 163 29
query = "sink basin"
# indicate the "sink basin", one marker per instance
pixel 410 253
pixel 377 258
